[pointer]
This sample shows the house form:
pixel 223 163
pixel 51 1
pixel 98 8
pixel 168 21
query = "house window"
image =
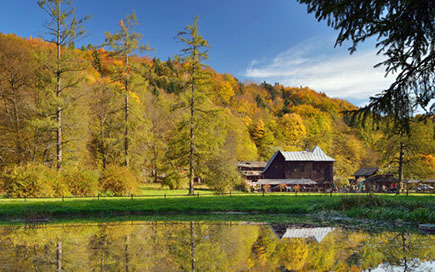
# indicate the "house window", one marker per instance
pixel 301 167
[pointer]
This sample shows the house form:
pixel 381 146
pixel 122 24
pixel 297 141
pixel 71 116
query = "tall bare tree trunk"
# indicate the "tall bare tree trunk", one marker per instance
pixel 59 256
pixel 58 90
pixel 192 247
pixel 155 153
pixel 192 134
pixel 154 148
pixel 126 150
pixel 20 153
pixel 127 253
pixel 404 251
pixel 102 261
pixel 103 148
pixel 401 153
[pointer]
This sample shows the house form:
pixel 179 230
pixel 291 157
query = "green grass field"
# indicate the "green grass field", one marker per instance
pixel 413 208
pixel 158 190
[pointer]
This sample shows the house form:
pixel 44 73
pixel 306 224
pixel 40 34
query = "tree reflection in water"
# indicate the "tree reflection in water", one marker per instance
pixel 209 246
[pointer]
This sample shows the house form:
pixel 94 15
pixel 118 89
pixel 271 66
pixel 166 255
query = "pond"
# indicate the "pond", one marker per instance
pixel 210 246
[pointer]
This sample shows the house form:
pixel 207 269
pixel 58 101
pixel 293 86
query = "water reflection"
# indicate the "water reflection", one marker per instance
pixel 318 234
pixel 207 246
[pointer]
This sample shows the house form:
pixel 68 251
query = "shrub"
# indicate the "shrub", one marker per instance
pixel 175 180
pixel 221 174
pixel 242 186
pixel 118 180
pixel 422 215
pixel 81 182
pixel 32 180
pixel 57 182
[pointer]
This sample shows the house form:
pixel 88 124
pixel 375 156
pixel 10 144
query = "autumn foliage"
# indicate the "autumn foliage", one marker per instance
pixel 235 121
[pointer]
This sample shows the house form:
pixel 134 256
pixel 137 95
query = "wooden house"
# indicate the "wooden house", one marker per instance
pixel 251 170
pixel 361 175
pixel 308 170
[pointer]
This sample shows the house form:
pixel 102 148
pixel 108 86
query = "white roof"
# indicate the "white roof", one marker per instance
pixel 316 154
pixel 285 181
pixel 317 233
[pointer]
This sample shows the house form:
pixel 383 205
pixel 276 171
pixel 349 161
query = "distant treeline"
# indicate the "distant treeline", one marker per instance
pixel 235 121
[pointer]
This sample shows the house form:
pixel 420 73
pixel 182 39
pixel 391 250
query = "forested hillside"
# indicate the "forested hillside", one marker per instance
pixel 234 121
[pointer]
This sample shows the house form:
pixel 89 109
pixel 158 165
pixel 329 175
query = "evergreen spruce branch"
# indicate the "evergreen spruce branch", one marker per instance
pixel 405 34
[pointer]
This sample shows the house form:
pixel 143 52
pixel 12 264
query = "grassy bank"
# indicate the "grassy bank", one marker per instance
pixel 199 217
pixel 417 209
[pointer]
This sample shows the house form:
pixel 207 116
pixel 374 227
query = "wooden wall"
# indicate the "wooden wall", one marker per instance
pixel 316 171
pixel 276 168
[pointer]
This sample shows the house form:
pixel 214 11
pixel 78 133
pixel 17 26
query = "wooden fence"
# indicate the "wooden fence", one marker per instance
pixel 229 194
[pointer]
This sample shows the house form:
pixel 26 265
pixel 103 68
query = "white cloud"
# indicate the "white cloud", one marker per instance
pixel 315 63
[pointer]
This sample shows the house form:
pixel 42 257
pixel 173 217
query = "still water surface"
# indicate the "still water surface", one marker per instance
pixel 210 246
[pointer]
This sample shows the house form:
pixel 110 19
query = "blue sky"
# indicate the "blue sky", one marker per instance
pixel 257 40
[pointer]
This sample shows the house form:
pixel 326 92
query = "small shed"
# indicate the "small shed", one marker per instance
pixel 381 183
pixel 365 173
pixel 361 175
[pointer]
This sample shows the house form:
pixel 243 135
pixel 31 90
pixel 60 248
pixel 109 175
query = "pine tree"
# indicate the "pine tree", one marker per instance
pixel 405 32
pixel 124 43
pixel 195 52
pixel 64 29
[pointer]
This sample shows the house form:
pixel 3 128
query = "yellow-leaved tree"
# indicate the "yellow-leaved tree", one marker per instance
pixel 293 131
